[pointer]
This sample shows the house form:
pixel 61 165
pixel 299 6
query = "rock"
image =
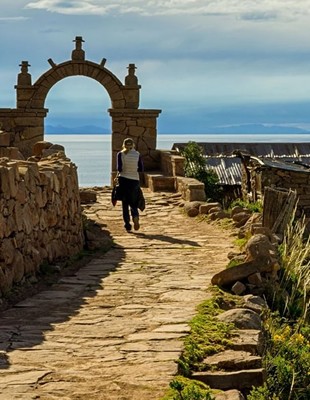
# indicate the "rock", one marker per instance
pixel 243 379
pixel 255 279
pixel 239 272
pixel 232 360
pixel 229 395
pixel 244 215
pixel 204 208
pixel 259 246
pixel 218 215
pixel 88 196
pixel 250 340
pixel 214 210
pixel 38 147
pixel 255 303
pixel 242 222
pixel 242 318
pixel 192 212
pixel 237 210
pixel 238 288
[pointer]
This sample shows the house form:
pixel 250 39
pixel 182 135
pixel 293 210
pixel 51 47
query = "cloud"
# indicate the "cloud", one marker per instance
pixel 12 19
pixel 249 9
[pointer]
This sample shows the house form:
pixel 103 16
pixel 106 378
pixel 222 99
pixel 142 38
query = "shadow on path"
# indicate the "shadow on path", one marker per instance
pixel 169 239
pixel 24 325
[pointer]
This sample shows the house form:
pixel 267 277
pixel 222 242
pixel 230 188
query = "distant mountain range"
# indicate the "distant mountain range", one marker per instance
pixel 229 129
pixel 258 128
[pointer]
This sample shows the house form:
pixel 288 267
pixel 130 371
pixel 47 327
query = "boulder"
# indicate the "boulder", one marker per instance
pixel 259 246
pixel 204 208
pixel 239 272
pixel 242 318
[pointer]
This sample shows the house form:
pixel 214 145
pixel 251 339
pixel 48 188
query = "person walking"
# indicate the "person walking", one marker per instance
pixel 129 164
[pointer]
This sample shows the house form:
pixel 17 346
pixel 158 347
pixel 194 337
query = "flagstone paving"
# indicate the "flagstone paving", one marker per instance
pixel 113 330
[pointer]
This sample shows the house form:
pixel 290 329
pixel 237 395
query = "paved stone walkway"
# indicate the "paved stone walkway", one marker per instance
pixel 112 331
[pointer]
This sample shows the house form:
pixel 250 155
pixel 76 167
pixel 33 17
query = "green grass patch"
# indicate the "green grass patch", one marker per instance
pixel 208 335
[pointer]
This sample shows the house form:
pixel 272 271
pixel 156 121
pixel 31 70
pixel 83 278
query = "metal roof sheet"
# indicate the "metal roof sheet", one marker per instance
pixel 221 157
pixel 258 149
pixel 228 169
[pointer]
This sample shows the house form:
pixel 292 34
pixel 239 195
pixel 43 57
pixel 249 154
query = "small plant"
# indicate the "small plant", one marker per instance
pixel 287 359
pixel 186 389
pixel 253 207
pixel 292 298
pixel 196 167
pixel 208 335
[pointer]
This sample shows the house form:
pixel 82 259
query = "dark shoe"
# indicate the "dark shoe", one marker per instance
pixel 136 224
pixel 128 227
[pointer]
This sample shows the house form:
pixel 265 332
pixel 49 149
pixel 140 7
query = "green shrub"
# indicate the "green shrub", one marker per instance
pixel 195 166
pixel 186 389
pixel 287 360
pixel 253 207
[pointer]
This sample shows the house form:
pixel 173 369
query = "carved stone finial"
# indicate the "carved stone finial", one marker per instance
pixel 131 79
pixel 78 53
pixel 24 78
pixel 51 63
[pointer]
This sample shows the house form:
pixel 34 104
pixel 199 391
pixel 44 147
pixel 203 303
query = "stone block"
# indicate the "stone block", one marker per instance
pixel 232 360
pixel 88 196
pixel 250 340
pixel 240 380
pixel 255 279
pixel 160 183
pixel 39 146
pixel 238 288
pixel 229 395
pixel 5 138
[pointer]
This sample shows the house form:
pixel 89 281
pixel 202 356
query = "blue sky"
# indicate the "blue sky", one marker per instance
pixel 207 64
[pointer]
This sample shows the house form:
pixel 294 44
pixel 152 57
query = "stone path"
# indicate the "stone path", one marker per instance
pixel 112 331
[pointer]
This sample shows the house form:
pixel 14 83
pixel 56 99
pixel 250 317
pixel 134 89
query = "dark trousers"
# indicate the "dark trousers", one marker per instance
pixel 130 192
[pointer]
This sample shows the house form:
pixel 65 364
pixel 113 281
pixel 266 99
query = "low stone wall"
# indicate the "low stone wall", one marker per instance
pixel 40 215
pixel 190 189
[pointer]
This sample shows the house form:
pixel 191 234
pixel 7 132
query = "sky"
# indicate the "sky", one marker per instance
pixel 209 65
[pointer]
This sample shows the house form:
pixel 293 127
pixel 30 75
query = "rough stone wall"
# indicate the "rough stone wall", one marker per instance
pixel 298 181
pixel 282 179
pixel 40 215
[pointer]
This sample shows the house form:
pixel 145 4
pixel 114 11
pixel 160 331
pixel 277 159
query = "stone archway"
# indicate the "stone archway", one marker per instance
pixel 26 122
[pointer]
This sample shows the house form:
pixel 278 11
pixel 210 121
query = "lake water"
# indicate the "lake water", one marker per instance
pixel 92 153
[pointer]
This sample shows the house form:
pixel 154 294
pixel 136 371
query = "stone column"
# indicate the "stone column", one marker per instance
pixel 24 88
pixel 141 126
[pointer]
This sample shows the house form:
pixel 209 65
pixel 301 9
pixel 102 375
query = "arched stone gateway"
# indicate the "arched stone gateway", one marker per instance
pixel 26 121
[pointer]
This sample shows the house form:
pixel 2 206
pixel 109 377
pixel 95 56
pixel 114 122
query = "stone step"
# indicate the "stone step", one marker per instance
pixel 229 395
pixel 231 360
pixel 240 380
pixel 250 340
pixel 158 182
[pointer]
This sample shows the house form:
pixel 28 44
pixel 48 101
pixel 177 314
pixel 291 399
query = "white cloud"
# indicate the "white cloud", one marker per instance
pixel 247 9
pixel 12 19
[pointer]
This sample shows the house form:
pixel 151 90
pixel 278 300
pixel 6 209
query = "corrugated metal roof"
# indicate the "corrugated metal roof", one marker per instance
pixel 221 159
pixel 212 149
pixel 228 169
pixel 289 165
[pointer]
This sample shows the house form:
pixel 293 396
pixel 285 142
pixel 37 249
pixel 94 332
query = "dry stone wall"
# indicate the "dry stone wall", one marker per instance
pixel 40 215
